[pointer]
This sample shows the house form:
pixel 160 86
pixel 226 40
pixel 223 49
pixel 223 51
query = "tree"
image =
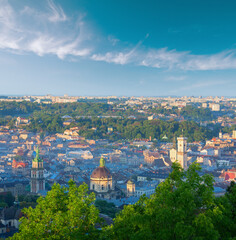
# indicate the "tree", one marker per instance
pixel 9 199
pixel 106 208
pixel 183 207
pixel 65 213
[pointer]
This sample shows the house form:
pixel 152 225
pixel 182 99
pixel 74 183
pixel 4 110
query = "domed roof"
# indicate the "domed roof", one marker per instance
pixel 101 171
pixel 130 182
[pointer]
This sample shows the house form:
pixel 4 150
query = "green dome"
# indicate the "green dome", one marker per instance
pixel 37 158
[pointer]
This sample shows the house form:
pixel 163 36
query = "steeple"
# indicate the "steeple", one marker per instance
pixel 37 182
pixel 102 162
pixel 37 158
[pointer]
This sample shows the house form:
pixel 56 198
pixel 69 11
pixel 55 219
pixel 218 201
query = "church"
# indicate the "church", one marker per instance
pixel 180 154
pixel 102 182
pixel 37 183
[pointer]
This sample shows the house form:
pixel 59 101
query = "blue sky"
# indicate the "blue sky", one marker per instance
pixel 123 48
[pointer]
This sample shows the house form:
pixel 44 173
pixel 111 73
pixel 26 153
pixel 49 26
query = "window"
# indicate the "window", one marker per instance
pixel 102 187
pixel 109 187
pixel 93 186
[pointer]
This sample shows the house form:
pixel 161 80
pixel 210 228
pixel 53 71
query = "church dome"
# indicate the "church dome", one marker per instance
pixel 101 171
pixel 130 182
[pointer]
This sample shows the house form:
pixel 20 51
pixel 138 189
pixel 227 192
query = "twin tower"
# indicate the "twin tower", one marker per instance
pixel 179 154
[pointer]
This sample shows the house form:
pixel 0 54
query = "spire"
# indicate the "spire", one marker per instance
pixel 37 152
pixel 102 162
pixel 37 158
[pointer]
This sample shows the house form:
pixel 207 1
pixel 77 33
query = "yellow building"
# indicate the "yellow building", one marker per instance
pixel 130 188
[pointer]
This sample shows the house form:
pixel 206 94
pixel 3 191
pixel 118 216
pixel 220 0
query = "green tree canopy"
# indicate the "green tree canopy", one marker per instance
pixel 65 213
pixel 183 207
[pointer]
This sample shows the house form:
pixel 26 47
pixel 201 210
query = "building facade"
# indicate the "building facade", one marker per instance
pixel 37 182
pixel 182 151
pixel 130 187
pixel 101 179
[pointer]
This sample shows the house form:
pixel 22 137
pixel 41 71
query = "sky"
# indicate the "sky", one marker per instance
pixel 118 47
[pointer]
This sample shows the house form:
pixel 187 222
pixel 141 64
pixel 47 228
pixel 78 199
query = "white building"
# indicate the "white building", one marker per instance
pixel 215 107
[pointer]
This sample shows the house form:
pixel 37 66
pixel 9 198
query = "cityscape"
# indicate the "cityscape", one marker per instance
pixel 113 133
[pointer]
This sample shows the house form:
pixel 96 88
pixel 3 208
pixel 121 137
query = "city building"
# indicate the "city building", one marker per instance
pixel 234 134
pixel 215 107
pixel 130 186
pixel 37 183
pixel 101 181
pixel 182 151
pixel 179 154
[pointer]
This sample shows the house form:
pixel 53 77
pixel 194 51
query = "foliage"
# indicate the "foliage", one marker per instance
pixel 15 108
pixel 28 200
pixel 45 123
pixel 106 208
pixel 47 118
pixel 6 199
pixel 65 213
pixel 183 207
pixel 136 129
pixel 198 114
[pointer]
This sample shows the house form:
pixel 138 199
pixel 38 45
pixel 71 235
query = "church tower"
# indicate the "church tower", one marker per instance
pixel 182 151
pixel 173 151
pixel 37 182
pixel 130 186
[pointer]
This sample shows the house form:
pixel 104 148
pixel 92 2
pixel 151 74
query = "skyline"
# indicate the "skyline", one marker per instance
pixel 118 48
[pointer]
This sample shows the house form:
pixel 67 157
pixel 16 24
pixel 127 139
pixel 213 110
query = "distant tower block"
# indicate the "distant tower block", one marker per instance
pixel 220 134
pixel 234 134
pixel 182 152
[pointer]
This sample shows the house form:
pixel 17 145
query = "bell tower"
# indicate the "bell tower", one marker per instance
pixel 37 182
pixel 182 151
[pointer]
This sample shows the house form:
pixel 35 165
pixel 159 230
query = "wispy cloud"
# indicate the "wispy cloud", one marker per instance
pixel 115 57
pixel 171 59
pixel 175 78
pixel 58 14
pixel 44 34
pixel 51 31
pixel 113 40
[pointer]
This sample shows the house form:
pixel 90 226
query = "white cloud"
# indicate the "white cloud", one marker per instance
pixel 171 59
pixel 43 35
pixel 115 57
pixel 57 13
pixel 50 31
pixel 113 40
pixel 176 78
